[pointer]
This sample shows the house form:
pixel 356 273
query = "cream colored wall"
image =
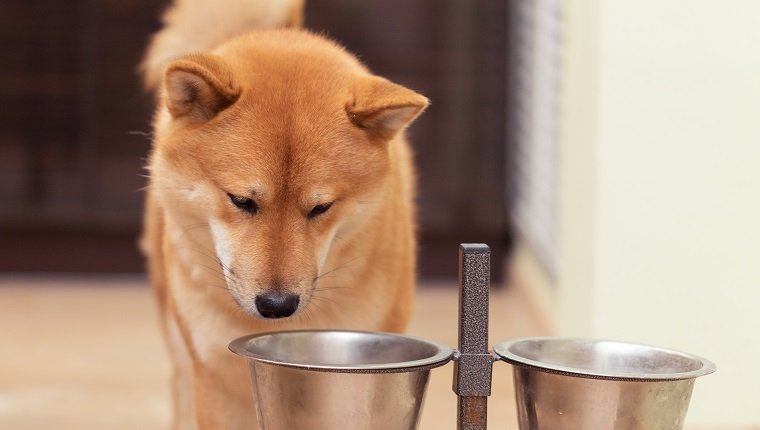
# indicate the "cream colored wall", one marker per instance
pixel 659 211
pixel 578 177
pixel 678 189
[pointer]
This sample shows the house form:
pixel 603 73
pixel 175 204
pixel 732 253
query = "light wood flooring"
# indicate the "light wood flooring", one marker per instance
pixel 86 353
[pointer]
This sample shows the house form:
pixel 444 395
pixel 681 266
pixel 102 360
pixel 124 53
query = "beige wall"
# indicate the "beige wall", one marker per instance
pixel 659 206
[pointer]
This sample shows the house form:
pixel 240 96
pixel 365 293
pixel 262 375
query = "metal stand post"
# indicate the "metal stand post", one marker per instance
pixel 473 363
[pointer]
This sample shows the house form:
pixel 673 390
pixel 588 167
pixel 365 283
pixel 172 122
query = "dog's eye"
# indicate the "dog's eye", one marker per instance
pixel 244 203
pixel 319 210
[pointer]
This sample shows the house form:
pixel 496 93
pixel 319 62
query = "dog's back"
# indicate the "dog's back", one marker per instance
pixel 192 26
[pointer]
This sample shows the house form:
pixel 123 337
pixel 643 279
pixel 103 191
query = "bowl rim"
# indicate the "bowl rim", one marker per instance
pixel 502 351
pixel 443 354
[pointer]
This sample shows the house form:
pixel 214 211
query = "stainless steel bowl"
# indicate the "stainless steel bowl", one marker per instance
pixel 339 379
pixel 587 384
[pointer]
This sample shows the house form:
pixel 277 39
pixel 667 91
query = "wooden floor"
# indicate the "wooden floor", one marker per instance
pixel 86 354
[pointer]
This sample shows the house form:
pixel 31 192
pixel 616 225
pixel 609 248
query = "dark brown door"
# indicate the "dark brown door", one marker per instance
pixel 454 52
pixel 74 122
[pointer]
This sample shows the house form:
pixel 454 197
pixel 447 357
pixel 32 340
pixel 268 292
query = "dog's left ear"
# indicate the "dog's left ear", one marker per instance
pixel 199 86
pixel 383 108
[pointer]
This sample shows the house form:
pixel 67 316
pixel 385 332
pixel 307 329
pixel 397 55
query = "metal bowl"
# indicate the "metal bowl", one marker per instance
pixel 600 384
pixel 603 359
pixel 326 380
pixel 343 351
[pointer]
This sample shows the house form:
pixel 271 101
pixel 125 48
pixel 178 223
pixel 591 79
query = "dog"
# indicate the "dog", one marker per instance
pixel 280 197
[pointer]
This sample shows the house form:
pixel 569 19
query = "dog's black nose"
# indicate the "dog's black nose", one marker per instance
pixel 276 304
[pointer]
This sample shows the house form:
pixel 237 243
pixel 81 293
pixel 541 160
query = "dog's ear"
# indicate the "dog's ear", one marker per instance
pixel 383 108
pixel 199 86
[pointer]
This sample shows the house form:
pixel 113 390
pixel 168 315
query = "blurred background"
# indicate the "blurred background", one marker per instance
pixel 75 141
pixel 607 151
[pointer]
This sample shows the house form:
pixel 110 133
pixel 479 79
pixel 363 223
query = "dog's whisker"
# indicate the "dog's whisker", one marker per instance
pixel 202 252
pixel 308 313
pixel 156 187
pixel 149 186
pixel 191 227
pixel 340 239
pixel 322 300
pixel 315 304
pixel 341 266
pixel 221 287
pixel 208 252
pixel 218 274
pixel 332 288
pixel 214 271
pixel 146 134
pixel 226 272
pixel 221 263
pixel 324 276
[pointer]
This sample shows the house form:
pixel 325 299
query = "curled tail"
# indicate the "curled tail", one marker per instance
pixel 192 26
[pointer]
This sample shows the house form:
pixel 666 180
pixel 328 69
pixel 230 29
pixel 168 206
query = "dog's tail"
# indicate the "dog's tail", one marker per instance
pixel 192 26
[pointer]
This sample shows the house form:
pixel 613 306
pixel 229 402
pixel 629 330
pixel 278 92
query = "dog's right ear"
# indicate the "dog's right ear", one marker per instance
pixel 383 108
pixel 199 86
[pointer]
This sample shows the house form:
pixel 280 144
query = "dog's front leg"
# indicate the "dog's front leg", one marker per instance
pixel 182 379
pixel 222 396
pixel 182 400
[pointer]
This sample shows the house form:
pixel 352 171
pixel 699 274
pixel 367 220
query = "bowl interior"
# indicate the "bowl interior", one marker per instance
pixel 347 350
pixel 602 358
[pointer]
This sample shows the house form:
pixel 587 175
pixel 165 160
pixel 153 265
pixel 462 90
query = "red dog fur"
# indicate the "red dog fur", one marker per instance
pixel 279 168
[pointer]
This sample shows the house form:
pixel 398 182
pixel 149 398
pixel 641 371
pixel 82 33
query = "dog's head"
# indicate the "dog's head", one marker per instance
pixel 278 143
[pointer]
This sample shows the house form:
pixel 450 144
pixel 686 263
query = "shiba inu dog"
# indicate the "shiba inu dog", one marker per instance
pixel 280 197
